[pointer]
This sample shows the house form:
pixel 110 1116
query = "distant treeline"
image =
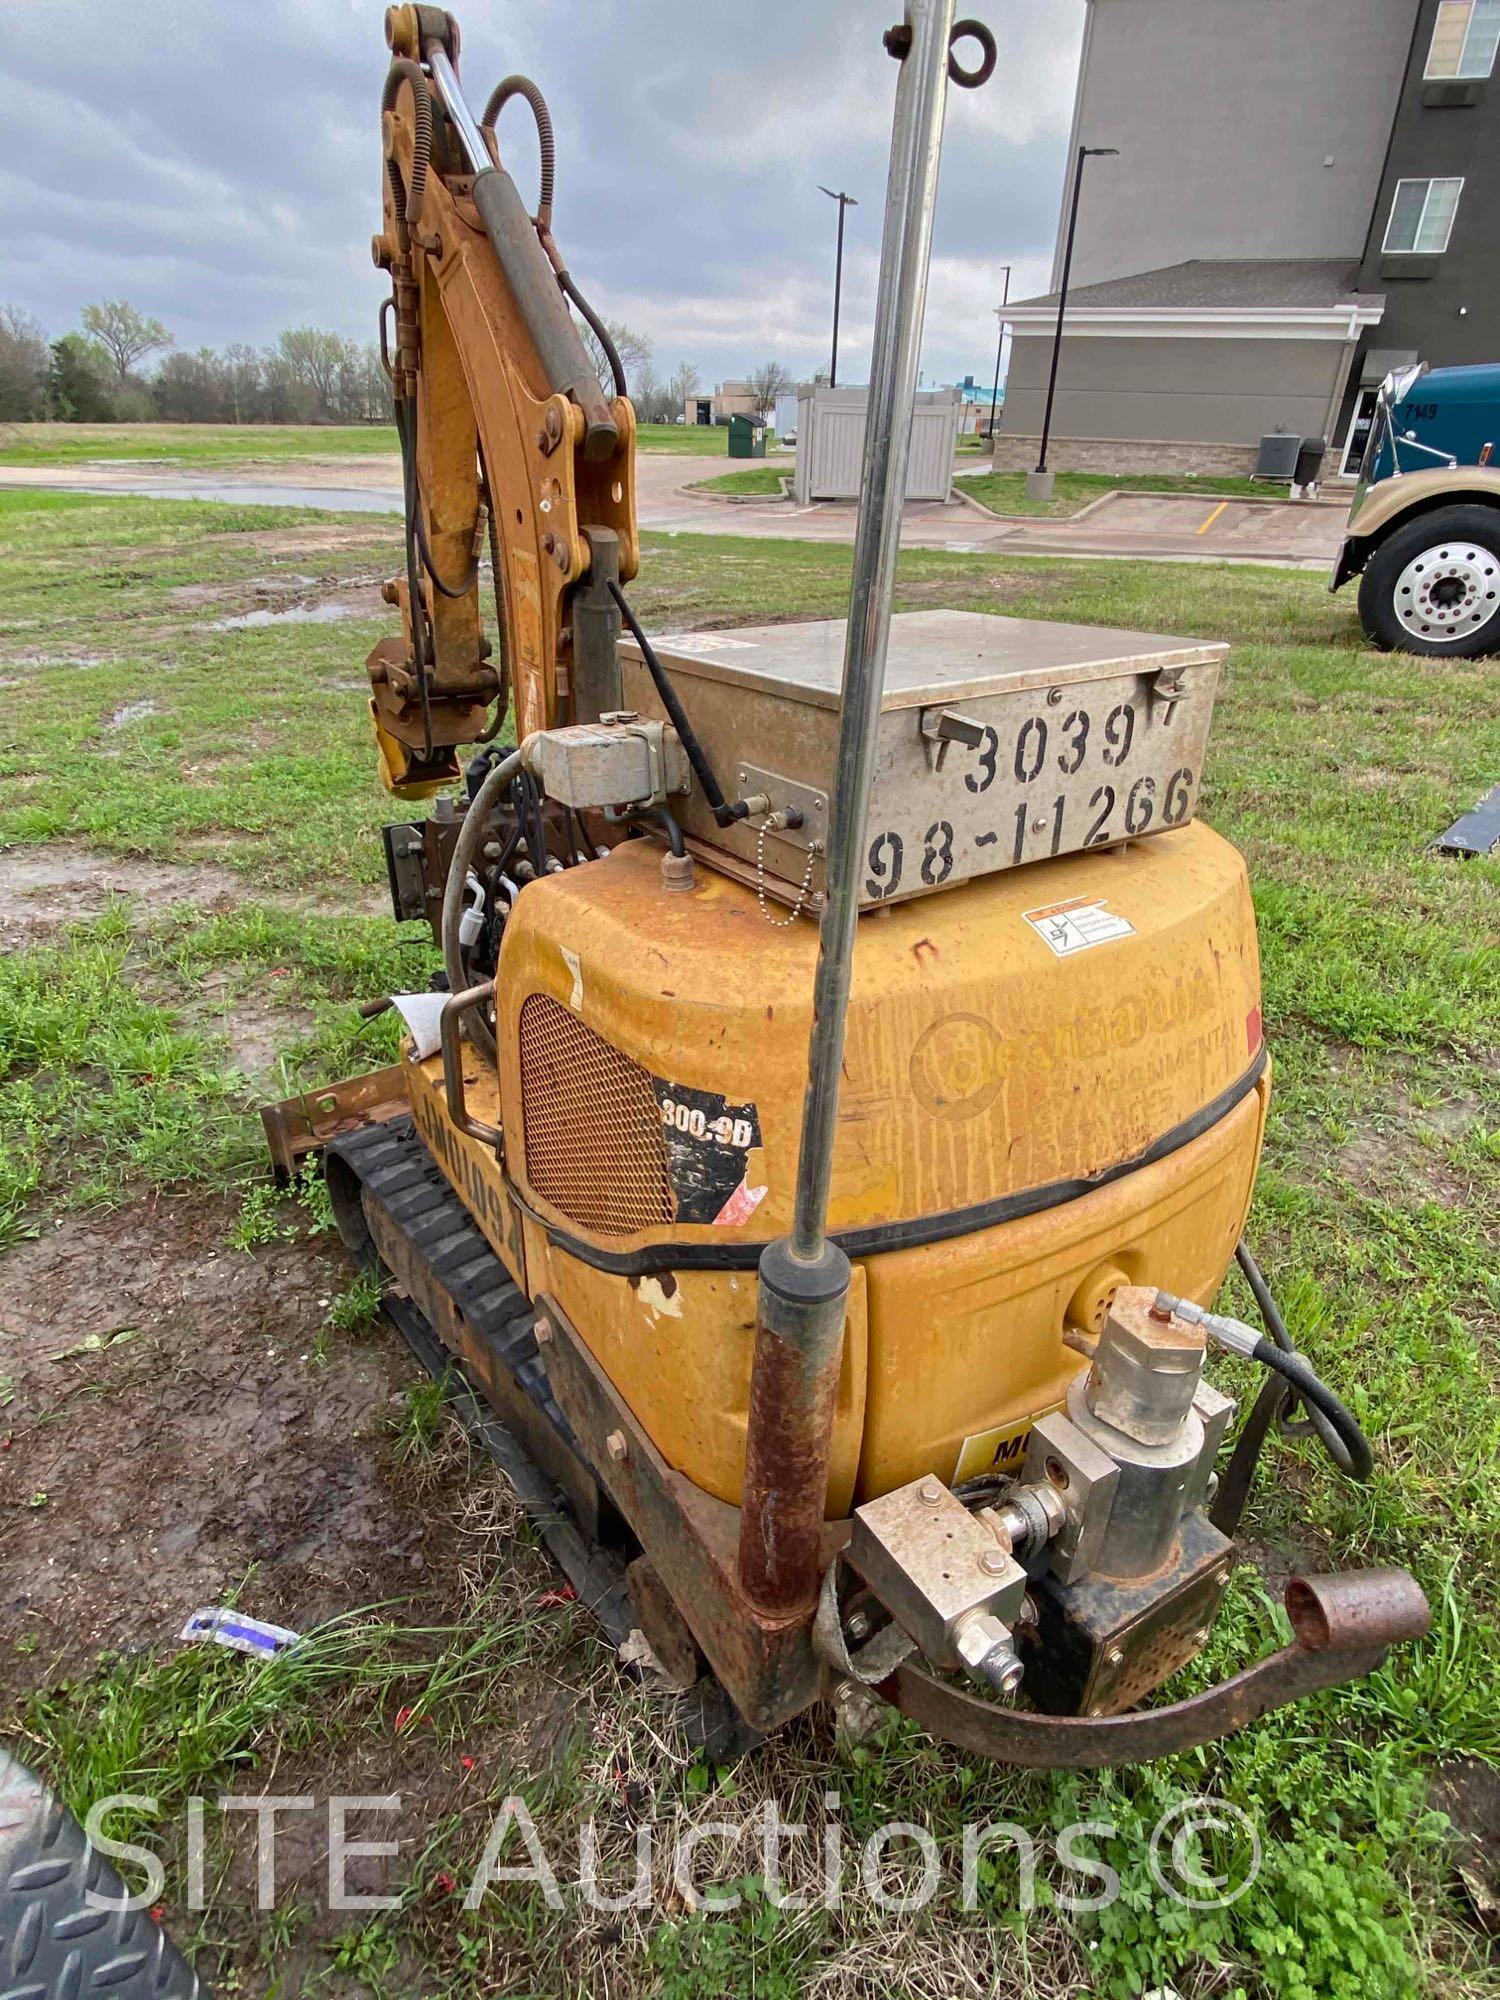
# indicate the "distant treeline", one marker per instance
pixel 121 367
pixel 98 375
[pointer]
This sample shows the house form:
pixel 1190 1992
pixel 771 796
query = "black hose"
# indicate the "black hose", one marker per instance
pixel 1315 1423
pixel 410 504
pixel 404 70
pixel 1355 1456
pixel 1269 1311
pixel 668 822
pixel 725 814
pixel 1239 1474
pixel 502 630
pixel 500 96
pixel 599 330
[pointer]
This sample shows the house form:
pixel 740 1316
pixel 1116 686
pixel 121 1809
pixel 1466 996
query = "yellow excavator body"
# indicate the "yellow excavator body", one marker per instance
pixel 1020 1134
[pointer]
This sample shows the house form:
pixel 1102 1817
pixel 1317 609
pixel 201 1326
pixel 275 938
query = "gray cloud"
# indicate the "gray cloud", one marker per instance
pixel 218 165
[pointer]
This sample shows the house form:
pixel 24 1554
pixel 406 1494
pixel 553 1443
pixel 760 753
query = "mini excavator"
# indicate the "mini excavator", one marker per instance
pixel 847 1073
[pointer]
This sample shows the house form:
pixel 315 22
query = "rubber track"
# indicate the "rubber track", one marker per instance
pixel 392 1162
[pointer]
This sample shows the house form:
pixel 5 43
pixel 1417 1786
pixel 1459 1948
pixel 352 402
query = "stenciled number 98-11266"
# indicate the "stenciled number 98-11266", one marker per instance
pixel 1121 805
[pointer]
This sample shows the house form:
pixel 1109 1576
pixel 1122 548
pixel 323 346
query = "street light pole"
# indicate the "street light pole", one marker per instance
pixel 1041 489
pixel 844 201
pixel 999 350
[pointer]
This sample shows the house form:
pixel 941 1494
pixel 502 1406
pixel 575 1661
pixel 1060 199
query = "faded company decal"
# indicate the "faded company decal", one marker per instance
pixel 708 1142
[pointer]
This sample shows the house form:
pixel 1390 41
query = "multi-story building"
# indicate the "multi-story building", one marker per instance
pixel 1304 196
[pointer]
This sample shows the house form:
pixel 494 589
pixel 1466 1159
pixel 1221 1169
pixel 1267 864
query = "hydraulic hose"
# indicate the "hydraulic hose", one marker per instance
pixel 404 70
pixel 1347 1445
pixel 1315 1421
pixel 599 330
pixel 725 814
pixel 1321 1401
pixel 500 96
pixel 465 853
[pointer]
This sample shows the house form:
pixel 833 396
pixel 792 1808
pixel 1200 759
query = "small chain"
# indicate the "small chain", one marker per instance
pixel 773 823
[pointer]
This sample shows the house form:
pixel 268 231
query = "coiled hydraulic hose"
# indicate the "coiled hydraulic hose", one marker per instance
pixel 1293 1368
pixel 500 96
pixel 404 70
pixel 465 853
pixel 1270 1312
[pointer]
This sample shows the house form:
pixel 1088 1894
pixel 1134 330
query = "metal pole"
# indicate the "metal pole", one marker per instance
pixel 1062 307
pixel 1084 153
pixel 838 286
pixel 999 351
pixel 844 201
pixel 804 1279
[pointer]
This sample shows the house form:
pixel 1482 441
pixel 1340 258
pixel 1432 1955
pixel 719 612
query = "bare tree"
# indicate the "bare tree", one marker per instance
pixel 124 334
pixel 23 365
pixel 633 349
pixel 192 389
pixel 244 374
pixel 683 383
pixel 316 363
pixel 768 384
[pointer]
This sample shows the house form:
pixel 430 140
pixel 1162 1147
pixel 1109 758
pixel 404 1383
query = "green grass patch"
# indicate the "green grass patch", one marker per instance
pixel 189 444
pixel 688 440
pixel 754 479
pixel 1005 492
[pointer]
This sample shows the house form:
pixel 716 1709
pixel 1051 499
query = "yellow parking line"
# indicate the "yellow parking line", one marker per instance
pixel 1213 517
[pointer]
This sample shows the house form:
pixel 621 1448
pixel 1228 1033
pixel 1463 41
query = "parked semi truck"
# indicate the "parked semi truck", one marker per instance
pixel 1423 534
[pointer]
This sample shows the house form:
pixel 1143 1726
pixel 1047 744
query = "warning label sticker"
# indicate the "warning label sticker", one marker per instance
pixel 1077 926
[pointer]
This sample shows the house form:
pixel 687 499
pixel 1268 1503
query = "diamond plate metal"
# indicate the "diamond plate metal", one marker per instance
pixel 53 1944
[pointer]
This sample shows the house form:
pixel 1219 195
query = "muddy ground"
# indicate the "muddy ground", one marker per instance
pixel 178 1431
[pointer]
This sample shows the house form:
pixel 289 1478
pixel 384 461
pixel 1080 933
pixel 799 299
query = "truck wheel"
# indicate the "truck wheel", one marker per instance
pixel 1434 585
pixel 52 1940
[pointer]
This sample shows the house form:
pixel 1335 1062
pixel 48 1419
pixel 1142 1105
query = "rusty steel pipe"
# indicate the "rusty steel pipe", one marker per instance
pixel 794 1379
pixel 450 1020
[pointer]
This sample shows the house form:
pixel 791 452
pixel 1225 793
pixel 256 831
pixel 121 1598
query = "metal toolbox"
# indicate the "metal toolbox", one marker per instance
pixel 1002 741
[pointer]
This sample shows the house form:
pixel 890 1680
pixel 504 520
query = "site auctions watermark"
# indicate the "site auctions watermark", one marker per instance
pixel 1203 1853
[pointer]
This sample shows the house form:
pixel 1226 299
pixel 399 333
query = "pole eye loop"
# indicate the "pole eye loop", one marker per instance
pixel 971 79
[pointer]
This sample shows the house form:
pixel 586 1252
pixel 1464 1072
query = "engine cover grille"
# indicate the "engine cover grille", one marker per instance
pixel 592 1126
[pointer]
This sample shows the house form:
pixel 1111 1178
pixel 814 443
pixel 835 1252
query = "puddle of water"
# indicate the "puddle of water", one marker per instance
pixel 133 711
pixel 296 614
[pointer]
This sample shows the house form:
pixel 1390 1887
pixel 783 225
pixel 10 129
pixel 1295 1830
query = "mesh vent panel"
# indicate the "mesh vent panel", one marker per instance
pixel 592 1126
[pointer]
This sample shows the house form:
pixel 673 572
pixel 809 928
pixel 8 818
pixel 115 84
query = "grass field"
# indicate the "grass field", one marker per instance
pixel 241 444
pixel 198 1402
pixel 754 481
pixel 1005 492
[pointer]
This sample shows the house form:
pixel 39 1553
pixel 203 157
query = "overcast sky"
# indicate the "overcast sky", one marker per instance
pixel 217 164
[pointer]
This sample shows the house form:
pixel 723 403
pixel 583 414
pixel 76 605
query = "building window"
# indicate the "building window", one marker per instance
pixel 1422 216
pixel 1465 36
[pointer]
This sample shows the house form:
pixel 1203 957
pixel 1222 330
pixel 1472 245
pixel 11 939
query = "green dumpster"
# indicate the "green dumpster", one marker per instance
pixel 747 437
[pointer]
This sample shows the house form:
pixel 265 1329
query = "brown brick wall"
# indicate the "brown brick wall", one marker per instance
pixel 1018 454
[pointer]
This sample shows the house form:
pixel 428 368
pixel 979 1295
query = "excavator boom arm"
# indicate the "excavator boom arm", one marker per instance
pixel 507 437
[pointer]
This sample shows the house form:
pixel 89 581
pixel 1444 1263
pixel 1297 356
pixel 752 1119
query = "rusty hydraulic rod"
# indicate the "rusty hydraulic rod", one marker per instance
pixel 804 1280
